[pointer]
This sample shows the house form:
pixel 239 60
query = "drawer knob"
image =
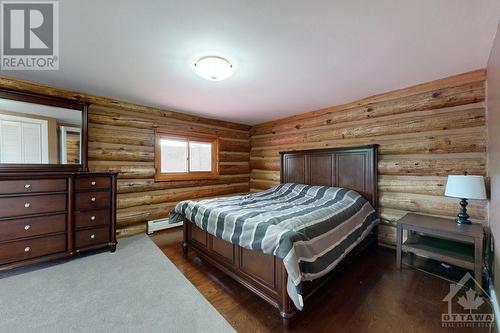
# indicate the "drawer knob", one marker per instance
pixel 27 249
pixel 92 183
pixel 92 199
pixel 92 218
pixel 27 186
pixel 92 236
pixel 27 227
pixel 27 205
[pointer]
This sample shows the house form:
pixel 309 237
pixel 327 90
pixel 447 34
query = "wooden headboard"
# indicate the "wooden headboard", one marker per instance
pixel 351 167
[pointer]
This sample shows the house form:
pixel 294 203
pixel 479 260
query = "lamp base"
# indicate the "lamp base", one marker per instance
pixel 462 221
pixel 463 217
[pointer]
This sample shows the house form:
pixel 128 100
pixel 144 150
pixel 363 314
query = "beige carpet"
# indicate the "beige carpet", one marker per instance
pixel 136 289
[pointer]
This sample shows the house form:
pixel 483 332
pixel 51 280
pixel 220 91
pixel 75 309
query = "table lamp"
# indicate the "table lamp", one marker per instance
pixel 465 187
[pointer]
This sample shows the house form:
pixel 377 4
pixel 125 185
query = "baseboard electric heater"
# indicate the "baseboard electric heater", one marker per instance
pixel 161 224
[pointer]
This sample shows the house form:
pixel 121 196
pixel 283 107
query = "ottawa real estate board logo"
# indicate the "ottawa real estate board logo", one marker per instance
pixel 466 308
pixel 29 35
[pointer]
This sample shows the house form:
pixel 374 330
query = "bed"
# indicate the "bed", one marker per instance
pixel 284 243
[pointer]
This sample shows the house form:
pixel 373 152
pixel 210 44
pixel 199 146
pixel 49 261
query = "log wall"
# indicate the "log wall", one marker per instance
pixel 121 138
pixel 123 141
pixel 425 132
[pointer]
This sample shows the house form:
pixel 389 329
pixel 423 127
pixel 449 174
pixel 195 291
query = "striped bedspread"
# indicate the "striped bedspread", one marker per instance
pixel 310 227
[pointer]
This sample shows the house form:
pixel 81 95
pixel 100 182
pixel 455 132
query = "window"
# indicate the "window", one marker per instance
pixel 184 157
pixel 23 140
pixel 70 145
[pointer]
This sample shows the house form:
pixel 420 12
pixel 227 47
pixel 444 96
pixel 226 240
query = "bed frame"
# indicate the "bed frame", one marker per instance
pixel 353 168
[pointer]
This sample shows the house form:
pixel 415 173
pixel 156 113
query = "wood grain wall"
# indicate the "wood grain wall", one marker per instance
pixel 123 141
pixel 425 132
pixel 121 138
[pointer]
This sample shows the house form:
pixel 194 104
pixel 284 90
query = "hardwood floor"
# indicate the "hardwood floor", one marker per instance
pixel 368 295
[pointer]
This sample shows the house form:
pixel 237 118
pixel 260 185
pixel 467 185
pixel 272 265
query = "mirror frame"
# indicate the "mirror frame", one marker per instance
pixel 57 102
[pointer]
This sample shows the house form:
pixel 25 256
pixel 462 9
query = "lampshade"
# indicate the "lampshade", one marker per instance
pixel 466 187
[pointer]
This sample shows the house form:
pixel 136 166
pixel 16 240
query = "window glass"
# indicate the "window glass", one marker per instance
pixel 188 156
pixel 174 156
pixel 200 156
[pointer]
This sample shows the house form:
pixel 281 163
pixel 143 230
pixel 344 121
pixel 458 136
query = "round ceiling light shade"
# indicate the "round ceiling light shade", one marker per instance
pixel 213 68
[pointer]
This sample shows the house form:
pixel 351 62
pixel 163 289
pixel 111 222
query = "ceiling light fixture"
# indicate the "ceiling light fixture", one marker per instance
pixel 213 68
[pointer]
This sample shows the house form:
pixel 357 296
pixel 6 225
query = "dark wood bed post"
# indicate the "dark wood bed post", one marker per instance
pixel 287 309
pixel 185 244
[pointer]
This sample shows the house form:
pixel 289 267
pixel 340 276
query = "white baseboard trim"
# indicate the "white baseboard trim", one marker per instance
pixel 494 303
pixel 161 224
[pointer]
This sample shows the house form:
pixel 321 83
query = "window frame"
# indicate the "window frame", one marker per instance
pixel 189 175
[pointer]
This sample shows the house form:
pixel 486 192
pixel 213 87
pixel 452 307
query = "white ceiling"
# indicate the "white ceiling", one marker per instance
pixel 291 56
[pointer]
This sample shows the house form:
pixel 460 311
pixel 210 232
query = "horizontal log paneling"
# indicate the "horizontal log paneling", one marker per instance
pixel 145 185
pixel 131 230
pixel 258 184
pixel 225 156
pixel 126 170
pixel 412 184
pixel 133 215
pixel 106 116
pixel 103 151
pixel 425 133
pixel 173 195
pixel 432 166
pixel 234 145
pixel 430 204
pixel 390 125
pixel 123 141
pixel 265 163
pixel 265 175
pixel 234 168
pixel 387 234
pixel 440 141
pixel 121 135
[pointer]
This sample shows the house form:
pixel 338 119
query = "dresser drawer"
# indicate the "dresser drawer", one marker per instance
pixel 92 218
pixel 32 186
pixel 89 183
pixel 32 248
pixel 92 200
pixel 32 204
pixel 91 237
pixel 34 226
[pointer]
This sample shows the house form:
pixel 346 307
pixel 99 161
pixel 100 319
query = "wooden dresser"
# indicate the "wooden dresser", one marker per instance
pixel 52 215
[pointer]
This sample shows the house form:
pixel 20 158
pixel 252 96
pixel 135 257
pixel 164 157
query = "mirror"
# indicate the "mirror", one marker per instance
pixel 39 134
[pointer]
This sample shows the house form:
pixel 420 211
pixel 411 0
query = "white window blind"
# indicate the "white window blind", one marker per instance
pixel 23 140
pixel 11 140
pixel 174 155
pixel 200 156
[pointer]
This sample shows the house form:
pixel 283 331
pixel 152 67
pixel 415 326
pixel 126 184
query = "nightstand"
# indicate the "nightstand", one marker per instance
pixel 442 240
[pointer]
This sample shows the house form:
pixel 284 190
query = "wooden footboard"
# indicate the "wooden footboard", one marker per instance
pixel 263 274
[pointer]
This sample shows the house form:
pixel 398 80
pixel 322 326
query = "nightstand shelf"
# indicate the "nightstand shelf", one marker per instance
pixel 452 252
pixel 442 240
